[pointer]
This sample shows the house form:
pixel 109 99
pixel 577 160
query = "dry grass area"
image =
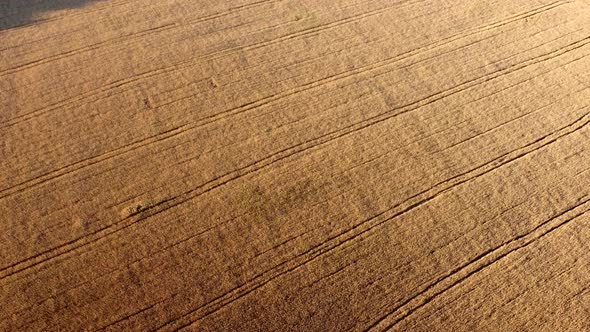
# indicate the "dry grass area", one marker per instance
pixel 307 165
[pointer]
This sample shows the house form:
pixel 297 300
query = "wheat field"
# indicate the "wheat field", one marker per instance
pixel 306 165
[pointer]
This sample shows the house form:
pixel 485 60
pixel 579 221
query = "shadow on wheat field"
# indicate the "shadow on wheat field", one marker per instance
pixel 18 13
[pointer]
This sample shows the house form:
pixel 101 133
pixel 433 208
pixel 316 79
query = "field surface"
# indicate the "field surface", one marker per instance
pixel 307 165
